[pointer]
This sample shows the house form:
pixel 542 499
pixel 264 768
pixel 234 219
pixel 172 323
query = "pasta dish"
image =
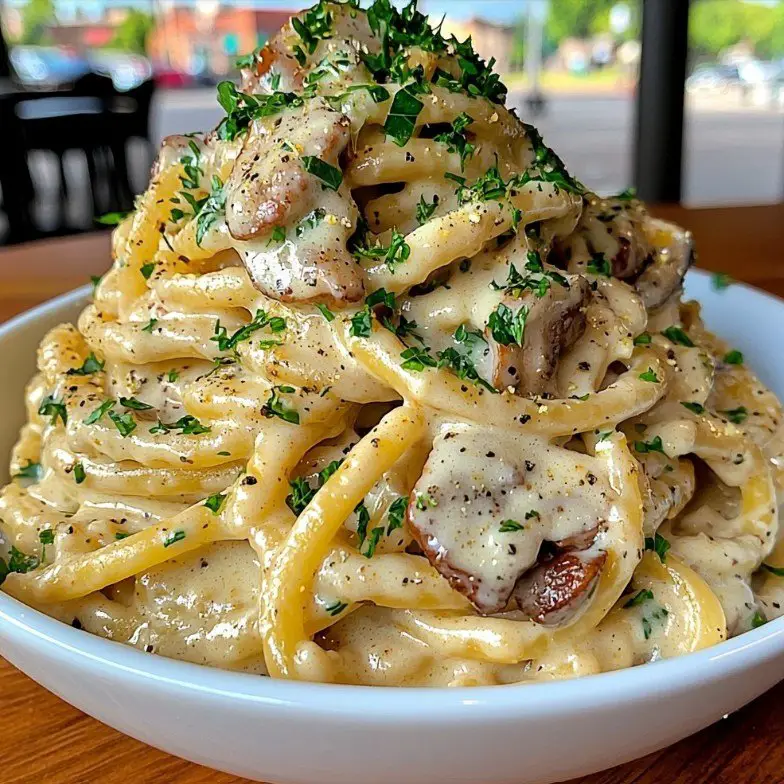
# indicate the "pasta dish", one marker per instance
pixel 375 392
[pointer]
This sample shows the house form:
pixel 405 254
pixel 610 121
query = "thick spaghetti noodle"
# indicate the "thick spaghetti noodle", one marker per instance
pixel 375 392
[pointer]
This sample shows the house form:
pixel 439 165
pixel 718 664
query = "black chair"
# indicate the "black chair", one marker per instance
pixel 130 119
pixel 93 118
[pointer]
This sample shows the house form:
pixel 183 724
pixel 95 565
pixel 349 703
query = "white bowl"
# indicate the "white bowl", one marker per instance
pixel 306 733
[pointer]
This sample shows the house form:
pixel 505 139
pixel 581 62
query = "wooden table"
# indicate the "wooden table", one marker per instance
pixel 46 741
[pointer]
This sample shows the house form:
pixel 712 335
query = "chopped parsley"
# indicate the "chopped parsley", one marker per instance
pixel 599 265
pixel 241 108
pixel 302 492
pixel 173 537
pixel 425 209
pixel 228 342
pixel 330 176
pixel 45 537
pixel 506 326
pixel 758 619
pixel 278 235
pixel 403 113
pixel 18 562
pixel 538 280
pixel 314 26
pixel 215 502
pixel 677 335
pixel 655 445
pixel 509 526
pixel 695 408
pixel 172 375
pixel 32 471
pixel 325 311
pixel 335 608
pixel 468 337
pixel 275 407
pixel 643 339
pixel 90 365
pixel 425 500
pixel 147 269
pixel 54 409
pixel 659 545
pixel 361 324
pixel 733 357
pixel 211 209
pixel 150 325
pixel 639 598
pixel 777 570
pixel 397 252
pixel 78 473
pixel 396 513
pixel 125 423
pixel 456 140
pixel 188 425
pixel 737 415
pixel 721 281
pixel 547 166
pixel 417 359
pixel 463 367
pixel 134 404
pixel 650 376
pixel 99 412
pixel 310 221
pixel 368 546
pixel 112 218
pixel 489 187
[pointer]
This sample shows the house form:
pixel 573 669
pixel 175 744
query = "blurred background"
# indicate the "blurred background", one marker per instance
pixel 88 88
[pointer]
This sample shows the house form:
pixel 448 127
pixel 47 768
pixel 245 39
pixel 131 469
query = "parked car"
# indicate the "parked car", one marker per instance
pixel 47 66
pixel 713 78
pixel 126 70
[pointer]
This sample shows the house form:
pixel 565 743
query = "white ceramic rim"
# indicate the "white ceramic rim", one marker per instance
pixel 379 705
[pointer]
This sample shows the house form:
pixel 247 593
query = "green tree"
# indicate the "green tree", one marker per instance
pixel 716 24
pixel 37 15
pixel 131 34
pixel 577 18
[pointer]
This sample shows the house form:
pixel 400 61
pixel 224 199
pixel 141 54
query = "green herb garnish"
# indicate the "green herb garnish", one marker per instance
pixel 90 365
pixel 639 598
pixel 54 409
pixel 677 335
pixel 659 545
pixel 276 407
pixel 329 175
pixel 506 326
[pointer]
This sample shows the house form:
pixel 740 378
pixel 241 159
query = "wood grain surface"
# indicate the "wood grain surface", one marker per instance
pixel 46 741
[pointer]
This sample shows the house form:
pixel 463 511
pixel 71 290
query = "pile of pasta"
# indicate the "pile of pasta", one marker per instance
pixel 375 392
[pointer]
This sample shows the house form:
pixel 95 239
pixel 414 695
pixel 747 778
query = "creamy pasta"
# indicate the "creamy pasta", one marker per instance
pixel 376 392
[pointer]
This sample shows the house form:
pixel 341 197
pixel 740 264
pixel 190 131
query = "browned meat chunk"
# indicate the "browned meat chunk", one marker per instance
pixel 268 183
pixel 556 589
pixel 554 322
pixel 670 261
pixel 486 503
pixel 609 229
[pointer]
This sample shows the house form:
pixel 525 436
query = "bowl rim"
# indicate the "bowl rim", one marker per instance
pixel 25 626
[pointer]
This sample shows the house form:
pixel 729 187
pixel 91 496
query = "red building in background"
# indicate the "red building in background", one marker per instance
pixel 209 37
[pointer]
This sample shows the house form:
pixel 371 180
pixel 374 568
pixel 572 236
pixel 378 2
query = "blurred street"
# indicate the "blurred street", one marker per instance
pixel 734 153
